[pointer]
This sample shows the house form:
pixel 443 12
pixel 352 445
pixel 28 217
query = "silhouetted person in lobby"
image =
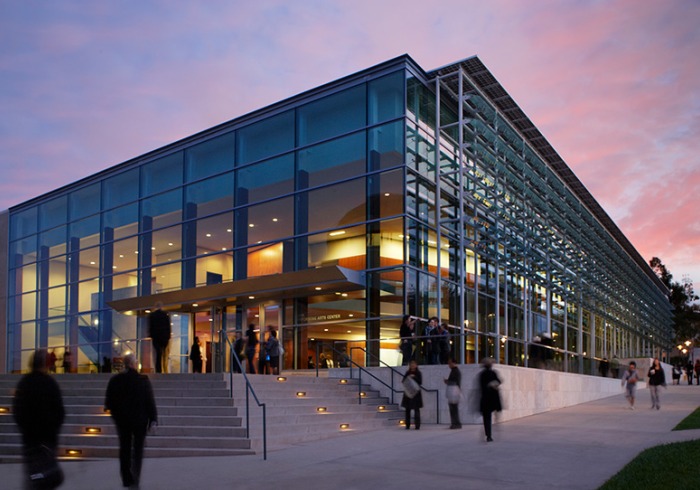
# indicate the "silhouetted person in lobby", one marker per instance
pixel 239 347
pixel 412 396
pixel 131 403
pixel 159 330
pixel 250 346
pixel 67 361
pixel 196 356
pixel 272 349
pixel 38 411
pixel 603 367
pixel 490 397
pixel 406 333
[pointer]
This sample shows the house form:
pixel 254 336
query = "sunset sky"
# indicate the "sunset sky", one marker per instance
pixel 613 85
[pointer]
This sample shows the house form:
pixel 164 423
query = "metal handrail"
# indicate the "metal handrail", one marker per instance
pixel 249 389
pixel 396 371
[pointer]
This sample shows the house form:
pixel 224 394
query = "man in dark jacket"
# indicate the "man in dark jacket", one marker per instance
pixel 159 330
pixel 490 400
pixel 132 406
pixel 38 408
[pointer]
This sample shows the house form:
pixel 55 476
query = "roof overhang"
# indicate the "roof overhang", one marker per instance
pixel 276 286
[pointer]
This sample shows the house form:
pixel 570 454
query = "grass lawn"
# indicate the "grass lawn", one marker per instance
pixel 692 421
pixel 667 467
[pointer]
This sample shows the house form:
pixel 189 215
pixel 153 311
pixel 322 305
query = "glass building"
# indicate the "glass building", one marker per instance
pixel 329 216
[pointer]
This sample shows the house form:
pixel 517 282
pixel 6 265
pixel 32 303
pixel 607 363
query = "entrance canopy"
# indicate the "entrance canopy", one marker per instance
pixel 322 280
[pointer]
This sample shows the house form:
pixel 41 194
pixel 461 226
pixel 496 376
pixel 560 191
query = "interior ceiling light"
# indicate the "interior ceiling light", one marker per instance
pixel 337 233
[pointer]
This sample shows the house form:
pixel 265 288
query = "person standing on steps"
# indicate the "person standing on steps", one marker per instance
pixel 490 400
pixel 38 410
pixel 412 396
pixel 159 330
pixel 131 404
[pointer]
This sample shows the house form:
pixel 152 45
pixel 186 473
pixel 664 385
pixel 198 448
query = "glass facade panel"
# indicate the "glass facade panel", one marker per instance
pixel 386 97
pixel 320 119
pixel 214 234
pixel 166 277
pixel 214 267
pixel 325 210
pixel 163 210
pixel 209 196
pixel 331 161
pixel 265 180
pixel 84 202
pixel 265 222
pixel 85 231
pixel 24 223
pixel 23 251
pixel 266 138
pixel 120 222
pixel 162 174
pixel 385 193
pixel 346 247
pixel 125 254
pixel 120 189
pixel 210 158
pixel 53 213
pixel 53 242
pixel 166 245
pixel 386 146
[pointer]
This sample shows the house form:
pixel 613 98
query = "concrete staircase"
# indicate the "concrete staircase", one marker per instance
pixel 196 418
pixel 294 418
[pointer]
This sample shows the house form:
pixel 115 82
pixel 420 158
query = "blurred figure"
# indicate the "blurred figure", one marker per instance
pixel 272 348
pixel 689 372
pixel 629 381
pixel 196 356
pixel 697 372
pixel 490 399
pixel 51 361
pixel 615 367
pixel 412 396
pixel 406 333
pixel 67 361
pixel 159 330
pixel 676 375
pixel 603 367
pixel 657 379
pixel 430 347
pixel 130 400
pixel 454 393
pixel 443 343
pixel 250 345
pixel 239 347
pixel 38 411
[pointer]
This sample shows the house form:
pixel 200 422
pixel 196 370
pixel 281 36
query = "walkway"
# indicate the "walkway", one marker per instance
pixel 574 448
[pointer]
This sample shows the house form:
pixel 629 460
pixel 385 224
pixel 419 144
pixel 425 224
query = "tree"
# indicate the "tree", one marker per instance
pixel 686 314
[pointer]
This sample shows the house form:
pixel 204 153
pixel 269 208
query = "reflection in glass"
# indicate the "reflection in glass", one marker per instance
pixel 53 213
pixel 266 222
pixel 345 247
pixel 162 174
pixel 327 211
pixel 332 161
pixel 120 189
pixel 211 157
pixel 319 120
pixel 266 138
pixel 386 146
pixel 265 180
pixel 84 202
pixel 164 209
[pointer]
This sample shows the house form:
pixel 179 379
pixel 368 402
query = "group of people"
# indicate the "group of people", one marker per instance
pixel 488 383
pixel 686 372
pixel 433 344
pixel 39 413
pixel 268 351
pixel 656 379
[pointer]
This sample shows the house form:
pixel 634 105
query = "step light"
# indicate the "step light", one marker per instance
pixel 74 452
pixel 402 422
pixel 344 426
pixel 362 393
pixel 321 409
pixel 107 411
pixel 4 409
pixel 301 394
pixel 93 430
pixel 343 381
pixel 381 407
pixel 281 379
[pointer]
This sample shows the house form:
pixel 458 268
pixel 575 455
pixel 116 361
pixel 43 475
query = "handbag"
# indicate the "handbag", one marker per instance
pixel 453 394
pixel 44 471
pixel 410 386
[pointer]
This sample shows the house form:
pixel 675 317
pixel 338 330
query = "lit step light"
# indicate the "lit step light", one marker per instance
pixel 73 452
pixel 344 426
pixel 343 381
pixel 301 394
pixel 362 393
pixel 321 409
pixel 4 409
pixel 281 379
pixel 402 422
pixel 93 430
pixel 381 407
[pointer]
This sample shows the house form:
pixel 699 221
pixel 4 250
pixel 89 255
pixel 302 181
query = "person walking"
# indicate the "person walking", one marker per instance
pixel 629 381
pixel 406 333
pixel 490 399
pixel 272 350
pixel 412 396
pixel 239 348
pixel 37 408
pixel 657 379
pixel 689 372
pixel 159 330
pixel 454 393
pixel 250 346
pixel 697 372
pixel 196 356
pixel 131 404
pixel 676 375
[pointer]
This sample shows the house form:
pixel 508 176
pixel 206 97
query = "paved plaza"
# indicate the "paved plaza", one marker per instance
pixel 573 448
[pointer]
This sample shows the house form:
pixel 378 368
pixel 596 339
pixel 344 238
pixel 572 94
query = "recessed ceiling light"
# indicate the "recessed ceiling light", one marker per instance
pixel 121 256
pixel 317 288
pixel 170 244
pixel 251 297
pixel 274 219
pixel 252 225
pixel 387 194
pixel 153 248
pixel 337 233
pixel 208 235
pixel 228 230
pixel 325 329
pixel 92 262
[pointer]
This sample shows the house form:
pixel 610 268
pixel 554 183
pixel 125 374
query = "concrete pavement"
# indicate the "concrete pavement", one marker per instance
pixel 578 447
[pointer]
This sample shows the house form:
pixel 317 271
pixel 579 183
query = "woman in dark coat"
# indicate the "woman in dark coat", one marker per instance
pixel 415 402
pixel 196 356
pixel 490 397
